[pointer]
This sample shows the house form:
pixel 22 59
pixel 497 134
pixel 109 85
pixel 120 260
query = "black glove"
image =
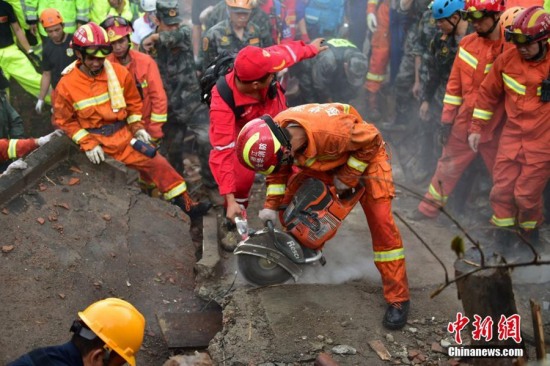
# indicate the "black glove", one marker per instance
pixel 35 61
pixel 443 133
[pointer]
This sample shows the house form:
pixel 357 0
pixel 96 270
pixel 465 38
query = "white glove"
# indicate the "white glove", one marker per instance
pixel 41 141
pixel 267 214
pixel 143 135
pixel 96 155
pixel 19 164
pixel 339 185
pixel 39 105
pixel 372 23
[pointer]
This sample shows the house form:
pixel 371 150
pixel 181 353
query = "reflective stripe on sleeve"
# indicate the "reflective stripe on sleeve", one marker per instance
pixel 12 149
pixel 275 189
pixel 452 99
pixel 79 135
pixel 482 114
pixel 357 164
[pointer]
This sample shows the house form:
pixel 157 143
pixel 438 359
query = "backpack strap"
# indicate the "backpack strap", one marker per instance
pixel 227 95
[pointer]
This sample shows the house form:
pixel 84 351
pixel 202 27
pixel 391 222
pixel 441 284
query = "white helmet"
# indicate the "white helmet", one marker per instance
pixel 148 5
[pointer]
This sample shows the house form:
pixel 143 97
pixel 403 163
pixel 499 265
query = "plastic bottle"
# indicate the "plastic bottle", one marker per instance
pixel 143 148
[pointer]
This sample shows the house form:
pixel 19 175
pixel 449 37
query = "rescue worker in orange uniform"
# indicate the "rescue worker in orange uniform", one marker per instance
pixel 99 107
pixel 522 167
pixel 476 54
pixel 333 143
pixel 146 75
pixel 18 148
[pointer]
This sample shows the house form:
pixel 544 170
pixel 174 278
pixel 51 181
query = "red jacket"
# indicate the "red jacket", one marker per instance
pixel 473 61
pixel 224 128
pixel 146 74
pixel 14 148
pixel 527 125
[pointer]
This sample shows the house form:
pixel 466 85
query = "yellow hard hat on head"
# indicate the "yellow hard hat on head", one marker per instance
pixel 119 324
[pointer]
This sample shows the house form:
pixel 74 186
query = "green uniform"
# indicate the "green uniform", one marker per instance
pixel 11 125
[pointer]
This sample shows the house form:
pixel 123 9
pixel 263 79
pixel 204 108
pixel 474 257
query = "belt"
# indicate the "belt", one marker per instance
pixel 107 130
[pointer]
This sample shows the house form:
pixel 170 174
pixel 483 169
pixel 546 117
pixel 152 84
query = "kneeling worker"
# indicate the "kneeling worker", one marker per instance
pixel 331 142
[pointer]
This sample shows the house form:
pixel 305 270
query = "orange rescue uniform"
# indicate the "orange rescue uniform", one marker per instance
pixel 16 148
pixel 340 143
pixel 522 166
pixel 473 61
pixel 147 78
pixel 380 44
pixel 82 102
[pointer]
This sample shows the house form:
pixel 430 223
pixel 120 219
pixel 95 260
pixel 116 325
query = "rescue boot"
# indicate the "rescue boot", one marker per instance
pixel 503 240
pixel 373 111
pixel 193 209
pixel 531 236
pixel 396 315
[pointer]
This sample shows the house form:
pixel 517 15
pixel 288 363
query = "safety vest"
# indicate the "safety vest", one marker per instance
pixel 71 11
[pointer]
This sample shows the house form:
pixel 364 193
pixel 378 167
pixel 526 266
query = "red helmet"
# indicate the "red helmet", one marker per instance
pixel 261 144
pixel 492 6
pixel 117 27
pixel 531 25
pixel 91 39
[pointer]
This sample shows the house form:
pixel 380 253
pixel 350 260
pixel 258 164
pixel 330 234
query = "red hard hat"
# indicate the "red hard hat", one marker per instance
pixel 260 145
pixel 117 27
pixel 90 35
pixel 531 25
pixel 495 6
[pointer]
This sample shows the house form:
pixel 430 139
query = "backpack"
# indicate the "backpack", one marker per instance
pixel 325 15
pixel 215 75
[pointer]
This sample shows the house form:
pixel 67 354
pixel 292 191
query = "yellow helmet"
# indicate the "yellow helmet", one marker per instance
pixel 119 324
pixel 243 4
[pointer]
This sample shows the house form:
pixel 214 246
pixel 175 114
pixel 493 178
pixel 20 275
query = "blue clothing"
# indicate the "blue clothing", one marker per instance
pixel 62 355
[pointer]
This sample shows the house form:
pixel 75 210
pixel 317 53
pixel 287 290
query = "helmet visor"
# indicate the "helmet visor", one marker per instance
pixel 474 15
pixel 115 21
pixel 99 51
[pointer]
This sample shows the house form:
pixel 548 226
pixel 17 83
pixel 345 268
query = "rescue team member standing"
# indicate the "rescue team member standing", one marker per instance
pixel 107 333
pixel 99 107
pixel 331 142
pixel 233 34
pixel 255 93
pixel 522 168
pixel 56 53
pixel 12 60
pixel 476 54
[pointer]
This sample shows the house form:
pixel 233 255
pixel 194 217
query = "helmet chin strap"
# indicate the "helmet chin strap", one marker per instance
pixel 540 55
pixel 495 23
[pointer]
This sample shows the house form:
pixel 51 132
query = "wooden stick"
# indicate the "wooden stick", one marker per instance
pixel 538 330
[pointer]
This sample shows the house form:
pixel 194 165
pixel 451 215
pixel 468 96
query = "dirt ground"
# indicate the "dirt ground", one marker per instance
pixel 66 243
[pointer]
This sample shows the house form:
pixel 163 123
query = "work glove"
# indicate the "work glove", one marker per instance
pixel 41 141
pixel 443 133
pixel 267 214
pixel 96 155
pixel 143 135
pixel 34 59
pixel 19 164
pixel 340 186
pixel 39 105
pixel 372 23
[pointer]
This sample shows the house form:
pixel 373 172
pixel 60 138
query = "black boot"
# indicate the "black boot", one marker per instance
pixel 193 209
pixel 503 240
pixel 396 315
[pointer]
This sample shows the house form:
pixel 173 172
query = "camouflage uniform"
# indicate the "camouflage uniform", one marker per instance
pixel 173 53
pixel 410 151
pixel 221 38
pixel 257 17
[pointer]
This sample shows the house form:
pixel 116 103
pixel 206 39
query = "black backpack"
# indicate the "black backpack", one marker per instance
pixel 215 75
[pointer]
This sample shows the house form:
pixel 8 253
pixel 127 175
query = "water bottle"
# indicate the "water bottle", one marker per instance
pixel 143 148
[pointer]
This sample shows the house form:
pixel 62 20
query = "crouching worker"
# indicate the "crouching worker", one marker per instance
pixel 108 333
pixel 99 107
pixel 331 142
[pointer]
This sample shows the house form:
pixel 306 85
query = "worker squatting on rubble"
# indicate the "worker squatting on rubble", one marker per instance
pixel 146 75
pixel 255 92
pixel 99 107
pixel 476 54
pixel 333 143
pixel 107 333
pixel 522 167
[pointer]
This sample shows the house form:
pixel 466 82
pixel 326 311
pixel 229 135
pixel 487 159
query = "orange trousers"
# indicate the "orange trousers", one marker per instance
pixel 517 191
pixel 389 255
pixel 380 49
pixel 455 158
pixel 156 169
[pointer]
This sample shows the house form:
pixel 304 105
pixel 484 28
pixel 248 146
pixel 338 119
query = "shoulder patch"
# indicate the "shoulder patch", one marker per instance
pixel 205 44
